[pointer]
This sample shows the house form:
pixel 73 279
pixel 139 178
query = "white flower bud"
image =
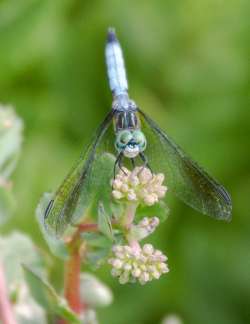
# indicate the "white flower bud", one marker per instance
pixel 158 253
pixel 149 200
pixel 162 266
pixel 148 249
pixel 117 194
pixel 144 276
pixel 161 191
pixel 124 187
pixel 145 175
pixel 136 272
pixel 117 184
pixel 156 274
pixel 155 221
pixel 117 263
pixel 131 196
pixel 127 266
pixel 142 258
pixel 144 222
pixel 152 268
pixel 134 180
pixel 127 249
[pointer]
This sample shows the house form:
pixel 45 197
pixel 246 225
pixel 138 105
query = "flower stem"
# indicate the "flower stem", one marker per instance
pixel 72 273
pixel 129 215
pixel 6 312
pixel 88 227
pixel 72 281
pixel 72 269
pixel 134 245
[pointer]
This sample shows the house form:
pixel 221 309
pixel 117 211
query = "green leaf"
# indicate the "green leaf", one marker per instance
pixel 17 248
pixel 96 240
pixel 117 209
pixel 97 257
pixel 57 246
pixel 7 204
pixel 99 247
pixel 104 222
pixel 47 297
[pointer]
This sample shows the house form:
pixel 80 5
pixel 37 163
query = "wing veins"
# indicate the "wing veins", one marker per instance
pixel 218 194
pixel 74 193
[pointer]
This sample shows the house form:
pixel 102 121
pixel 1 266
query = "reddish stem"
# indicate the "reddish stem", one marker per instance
pixel 73 270
pixel 88 227
pixel 6 312
pixel 72 281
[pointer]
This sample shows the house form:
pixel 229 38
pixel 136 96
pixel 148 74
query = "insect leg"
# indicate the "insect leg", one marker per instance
pixel 133 162
pixel 120 163
pixel 145 162
pixel 117 162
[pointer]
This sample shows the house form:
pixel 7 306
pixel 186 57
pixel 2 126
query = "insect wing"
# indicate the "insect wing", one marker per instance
pixel 184 177
pixel 74 195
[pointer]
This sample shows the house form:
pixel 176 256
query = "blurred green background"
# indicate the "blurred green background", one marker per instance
pixel 188 67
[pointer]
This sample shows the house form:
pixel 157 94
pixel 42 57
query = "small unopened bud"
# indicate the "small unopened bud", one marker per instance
pixel 117 194
pixel 148 249
pixel 94 292
pixel 144 228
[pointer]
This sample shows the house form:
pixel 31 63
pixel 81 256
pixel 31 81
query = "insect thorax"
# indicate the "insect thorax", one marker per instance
pixel 126 120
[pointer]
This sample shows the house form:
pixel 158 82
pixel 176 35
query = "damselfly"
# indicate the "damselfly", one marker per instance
pixel 136 137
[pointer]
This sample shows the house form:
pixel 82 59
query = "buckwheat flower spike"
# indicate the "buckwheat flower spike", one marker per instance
pixel 140 186
pixel 144 228
pixel 137 264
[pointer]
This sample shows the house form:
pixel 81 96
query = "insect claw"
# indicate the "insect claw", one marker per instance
pixel 124 172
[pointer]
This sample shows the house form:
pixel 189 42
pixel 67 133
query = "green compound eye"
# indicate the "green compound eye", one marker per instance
pixel 140 139
pixel 122 139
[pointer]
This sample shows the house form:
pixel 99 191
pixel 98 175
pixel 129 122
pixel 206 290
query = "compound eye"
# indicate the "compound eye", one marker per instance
pixel 125 137
pixel 122 139
pixel 140 139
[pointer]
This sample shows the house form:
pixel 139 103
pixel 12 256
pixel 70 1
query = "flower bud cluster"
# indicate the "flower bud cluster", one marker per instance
pixel 140 264
pixel 149 224
pixel 144 228
pixel 140 186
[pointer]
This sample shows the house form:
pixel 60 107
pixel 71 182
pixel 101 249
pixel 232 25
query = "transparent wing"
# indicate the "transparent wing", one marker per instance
pixel 74 195
pixel 183 176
